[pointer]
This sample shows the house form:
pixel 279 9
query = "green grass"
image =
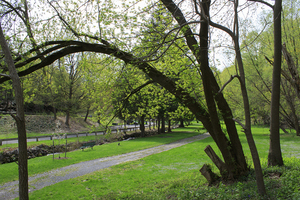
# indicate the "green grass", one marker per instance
pixel 174 174
pixel 9 172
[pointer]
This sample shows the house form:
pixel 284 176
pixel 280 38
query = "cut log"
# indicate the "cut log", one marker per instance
pixel 210 176
pixel 217 161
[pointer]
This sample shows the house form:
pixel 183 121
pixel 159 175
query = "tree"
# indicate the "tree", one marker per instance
pixel 275 157
pixel 70 85
pixel 19 117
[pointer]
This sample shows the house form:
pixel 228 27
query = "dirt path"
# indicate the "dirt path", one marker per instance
pixel 10 190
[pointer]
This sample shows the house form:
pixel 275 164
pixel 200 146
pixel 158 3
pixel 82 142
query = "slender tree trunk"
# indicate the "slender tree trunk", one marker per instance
pixel 142 125
pixel 54 113
pixel 67 118
pixel 69 106
pixel 87 113
pixel 275 156
pixel 247 128
pixel 169 126
pixel 158 125
pixel 163 123
pixel 181 123
pixel 20 120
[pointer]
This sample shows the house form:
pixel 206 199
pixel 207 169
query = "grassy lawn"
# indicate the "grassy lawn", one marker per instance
pixel 174 174
pixel 9 172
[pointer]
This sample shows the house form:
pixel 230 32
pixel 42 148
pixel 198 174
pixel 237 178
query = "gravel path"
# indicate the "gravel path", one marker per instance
pixel 10 190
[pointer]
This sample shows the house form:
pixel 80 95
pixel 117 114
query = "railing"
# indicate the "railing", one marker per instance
pixel 51 137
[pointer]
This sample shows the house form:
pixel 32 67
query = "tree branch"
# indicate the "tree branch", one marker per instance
pixel 75 32
pixel 231 78
pixel 5 75
pixel 263 2
pixel 240 123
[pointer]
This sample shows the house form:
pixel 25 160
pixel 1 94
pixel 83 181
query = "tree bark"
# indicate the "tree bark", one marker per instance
pixel 210 176
pixel 181 123
pixel 158 125
pixel 275 156
pixel 142 125
pixel 216 160
pixel 20 120
pixel 169 126
pixel 87 113
pixel 163 123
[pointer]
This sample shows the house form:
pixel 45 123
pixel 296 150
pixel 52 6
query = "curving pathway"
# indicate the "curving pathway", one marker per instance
pixel 10 190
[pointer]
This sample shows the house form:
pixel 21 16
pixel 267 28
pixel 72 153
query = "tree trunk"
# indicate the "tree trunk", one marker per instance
pixel 255 157
pixel 158 125
pixel 216 160
pixel 181 123
pixel 87 113
pixel 233 153
pixel 20 120
pixel 67 118
pixel 210 176
pixel 169 126
pixel 54 113
pixel 275 157
pixel 218 134
pixel 163 124
pixel 142 125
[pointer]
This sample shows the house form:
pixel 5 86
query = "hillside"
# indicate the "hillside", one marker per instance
pixel 44 124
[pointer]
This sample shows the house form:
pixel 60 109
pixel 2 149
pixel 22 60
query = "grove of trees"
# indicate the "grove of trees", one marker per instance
pixel 159 60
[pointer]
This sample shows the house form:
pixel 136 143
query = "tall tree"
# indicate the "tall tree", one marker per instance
pixel 275 157
pixel 19 117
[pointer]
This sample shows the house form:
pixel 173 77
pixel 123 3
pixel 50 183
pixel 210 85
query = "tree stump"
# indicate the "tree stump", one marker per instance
pixel 210 176
pixel 217 161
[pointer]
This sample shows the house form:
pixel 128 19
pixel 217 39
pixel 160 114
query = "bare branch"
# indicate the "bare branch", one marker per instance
pixel 75 32
pixel 5 75
pixel 231 78
pixel 263 2
pixel 240 123
pixel 269 61
pixel 223 28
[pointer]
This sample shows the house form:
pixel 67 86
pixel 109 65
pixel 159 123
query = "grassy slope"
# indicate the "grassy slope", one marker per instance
pixel 174 174
pixel 9 172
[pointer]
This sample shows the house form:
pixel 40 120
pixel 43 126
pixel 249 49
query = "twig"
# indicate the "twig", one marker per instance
pixel 231 78
pixel 5 75
pixel 240 123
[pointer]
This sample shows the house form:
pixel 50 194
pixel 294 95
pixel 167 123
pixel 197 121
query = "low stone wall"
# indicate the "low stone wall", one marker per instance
pixel 8 156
